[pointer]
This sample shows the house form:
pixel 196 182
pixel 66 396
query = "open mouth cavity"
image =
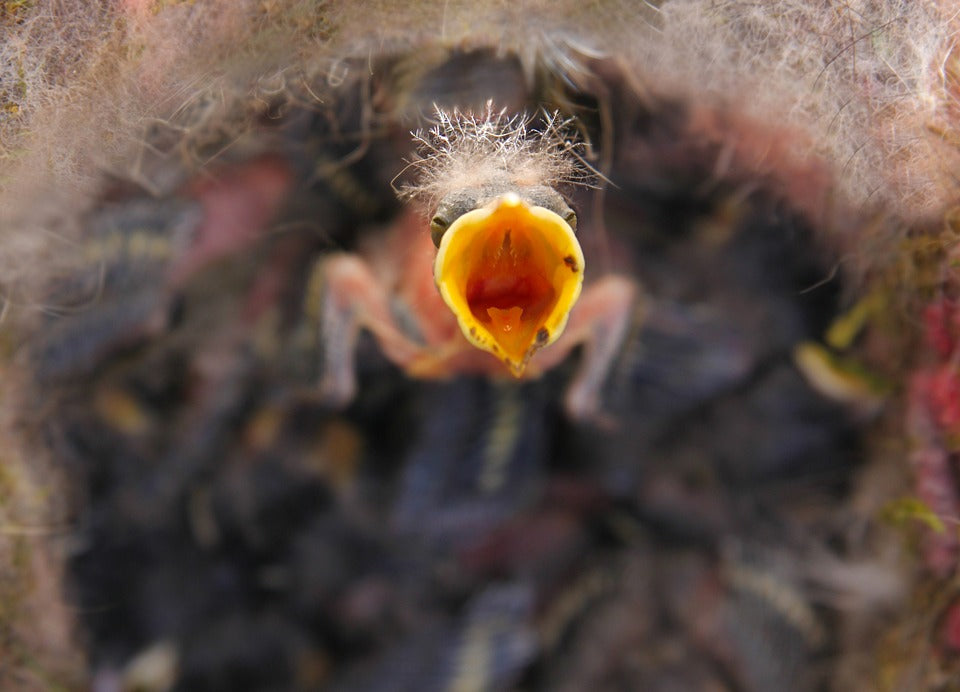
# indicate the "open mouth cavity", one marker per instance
pixel 511 273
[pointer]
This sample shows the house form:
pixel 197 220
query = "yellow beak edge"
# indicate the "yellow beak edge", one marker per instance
pixel 511 273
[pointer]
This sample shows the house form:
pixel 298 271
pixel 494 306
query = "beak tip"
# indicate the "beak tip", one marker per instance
pixel 509 200
pixel 516 369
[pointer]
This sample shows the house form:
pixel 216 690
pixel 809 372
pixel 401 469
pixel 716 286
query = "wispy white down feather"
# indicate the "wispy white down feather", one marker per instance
pixel 465 150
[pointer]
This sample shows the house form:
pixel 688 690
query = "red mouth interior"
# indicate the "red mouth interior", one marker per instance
pixel 508 290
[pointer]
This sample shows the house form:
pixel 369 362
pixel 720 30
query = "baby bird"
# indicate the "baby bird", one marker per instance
pixel 508 266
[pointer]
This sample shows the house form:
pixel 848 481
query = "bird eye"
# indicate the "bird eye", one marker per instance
pixel 571 219
pixel 438 226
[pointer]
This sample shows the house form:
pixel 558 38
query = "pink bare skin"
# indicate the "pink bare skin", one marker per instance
pixel 933 422
pixel 358 294
pixel 237 205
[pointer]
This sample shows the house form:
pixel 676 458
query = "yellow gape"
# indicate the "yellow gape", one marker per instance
pixel 511 273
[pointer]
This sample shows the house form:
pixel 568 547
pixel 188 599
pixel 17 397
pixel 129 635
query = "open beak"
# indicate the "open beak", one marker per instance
pixel 511 273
